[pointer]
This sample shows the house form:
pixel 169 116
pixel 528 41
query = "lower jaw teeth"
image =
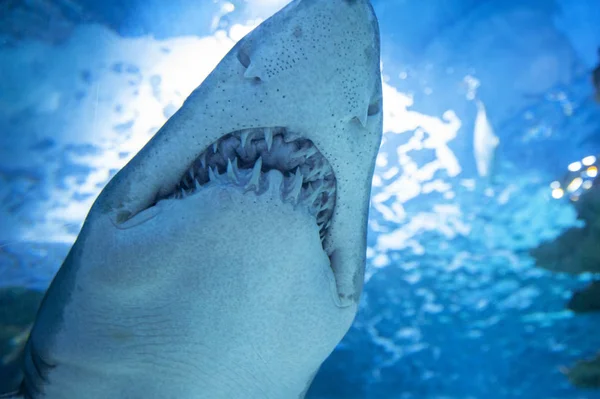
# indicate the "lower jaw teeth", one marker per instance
pixel 312 183
pixel 274 184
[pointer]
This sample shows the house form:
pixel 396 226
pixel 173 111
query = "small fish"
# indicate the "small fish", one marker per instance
pixel 485 142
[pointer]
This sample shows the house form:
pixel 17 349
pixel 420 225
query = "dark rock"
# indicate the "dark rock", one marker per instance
pixel 586 300
pixel 576 251
pixel 585 374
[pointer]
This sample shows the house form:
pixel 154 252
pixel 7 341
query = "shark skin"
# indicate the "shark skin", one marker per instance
pixel 191 279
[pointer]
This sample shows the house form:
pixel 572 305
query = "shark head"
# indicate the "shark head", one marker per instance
pixel 226 259
pixel 311 72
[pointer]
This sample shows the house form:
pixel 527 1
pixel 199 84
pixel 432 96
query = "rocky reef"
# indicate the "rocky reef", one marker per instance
pixel 585 373
pixel 576 251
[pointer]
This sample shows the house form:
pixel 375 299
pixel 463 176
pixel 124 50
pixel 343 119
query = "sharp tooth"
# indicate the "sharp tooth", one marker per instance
pixel 319 173
pixel 215 147
pixel 322 173
pixel 212 176
pixel 231 172
pixel 197 185
pixel 309 172
pixel 306 152
pixel 236 169
pixel 244 137
pixel 275 179
pixel 269 138
pixel 203 160
pixel 191 174
pixel 312 173
pixel 296 187
pixel 182 191
pixel 314 195
pixel 255 178
pixel 310 151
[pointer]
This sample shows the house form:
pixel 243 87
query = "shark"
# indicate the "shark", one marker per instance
pixel 226 259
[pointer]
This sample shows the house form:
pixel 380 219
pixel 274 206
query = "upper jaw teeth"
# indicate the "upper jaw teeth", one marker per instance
pixel 267 161
pixel 268 138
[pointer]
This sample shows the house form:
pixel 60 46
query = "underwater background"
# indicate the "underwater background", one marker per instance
pixel 477 236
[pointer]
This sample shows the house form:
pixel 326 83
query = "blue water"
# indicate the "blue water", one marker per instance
pixel 454 306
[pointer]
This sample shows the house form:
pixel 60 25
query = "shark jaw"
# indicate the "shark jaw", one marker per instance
pixel 267 160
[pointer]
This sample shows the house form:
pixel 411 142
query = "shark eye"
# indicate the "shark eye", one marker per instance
pixel 374 108
pixel 243 57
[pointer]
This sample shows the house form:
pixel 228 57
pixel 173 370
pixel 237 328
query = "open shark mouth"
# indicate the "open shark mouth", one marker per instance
pixel 267 160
